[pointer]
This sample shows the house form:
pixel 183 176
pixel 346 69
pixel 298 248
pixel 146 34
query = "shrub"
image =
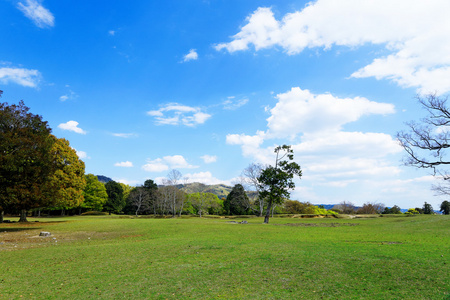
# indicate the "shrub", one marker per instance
pixel 94 213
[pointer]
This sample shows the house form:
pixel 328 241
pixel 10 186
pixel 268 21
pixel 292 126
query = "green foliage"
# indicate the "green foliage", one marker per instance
pixel 427 209
pixel 204 202
pixel 115 202
pixel 237 202
pixel 445 207
pixel 65 186
pixel 94 193
pixel 25 160
pixel 275 182
pixel 394 210
pixel 412 211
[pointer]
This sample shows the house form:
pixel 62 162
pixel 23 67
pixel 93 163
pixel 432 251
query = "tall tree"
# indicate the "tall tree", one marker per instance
pixel 237 202
pixel 276 181
pixel 67 182
pixel 25 161
pixel 115 202
pixel 152 188
pixel 445 207
pixel 427 209
pixel 94 193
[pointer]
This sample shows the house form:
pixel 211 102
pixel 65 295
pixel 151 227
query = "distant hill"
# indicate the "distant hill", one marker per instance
pixel 221 190
pixel 103 179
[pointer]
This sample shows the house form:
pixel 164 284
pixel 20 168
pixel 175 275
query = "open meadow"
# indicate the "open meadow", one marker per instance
pixel 110 257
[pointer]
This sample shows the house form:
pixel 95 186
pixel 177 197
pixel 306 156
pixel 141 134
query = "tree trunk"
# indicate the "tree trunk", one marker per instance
pixel 39 212
pixel 1 216
pixel 23 215
pixel 266 218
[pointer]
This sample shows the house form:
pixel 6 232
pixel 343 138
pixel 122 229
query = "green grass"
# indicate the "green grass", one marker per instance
pixel 192 258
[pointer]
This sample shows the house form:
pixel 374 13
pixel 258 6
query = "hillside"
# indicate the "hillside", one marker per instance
pixel 221 190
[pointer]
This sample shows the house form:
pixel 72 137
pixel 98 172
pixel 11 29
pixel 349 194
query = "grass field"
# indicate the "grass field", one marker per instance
pixel 124 258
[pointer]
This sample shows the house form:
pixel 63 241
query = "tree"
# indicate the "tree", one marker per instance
pixel 427 209
pixel 152 189
pixel 297 207
pixel 94 193
pixel 139 199
pixel 445 208
pixel 394 210
pixel 370 208
pixel 115 202
pixel 65 186
pixel 426 143
pixel 202 202
pixel 237 202
pixel 250 178
pixel 276 181
pixel 26 161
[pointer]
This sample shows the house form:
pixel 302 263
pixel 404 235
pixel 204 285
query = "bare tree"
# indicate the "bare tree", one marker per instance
pixel 426 142
pixel 249 179
pixel 346 207
pixel 139 198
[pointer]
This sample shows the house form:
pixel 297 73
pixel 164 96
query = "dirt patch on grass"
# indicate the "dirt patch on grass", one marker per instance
pixel 19 236
pixel 318 224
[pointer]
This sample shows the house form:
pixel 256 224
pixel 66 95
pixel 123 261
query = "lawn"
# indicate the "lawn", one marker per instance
pixel 136 258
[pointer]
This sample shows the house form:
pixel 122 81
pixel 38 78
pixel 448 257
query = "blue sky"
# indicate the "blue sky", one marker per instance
pixel 208 87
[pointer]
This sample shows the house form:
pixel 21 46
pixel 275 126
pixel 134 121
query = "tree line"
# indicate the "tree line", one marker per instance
pixel 40 171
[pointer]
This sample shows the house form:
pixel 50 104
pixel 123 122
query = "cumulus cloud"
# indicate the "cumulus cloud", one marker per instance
pixel 192 55
pixel 124 164
pixel 300 111
pixel 166 163
pixel 414 32
pixel 71 126
pixel 24 77
pixel 34 10
pixel 177 114
pixel 209 158
pixel 313 124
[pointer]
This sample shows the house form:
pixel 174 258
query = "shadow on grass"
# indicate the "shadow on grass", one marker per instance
pixel 2 229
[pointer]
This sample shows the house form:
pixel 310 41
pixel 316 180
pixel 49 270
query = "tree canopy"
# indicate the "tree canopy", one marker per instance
pixel 115 202
pixel 26 159
pixel 94 193
pixel 276 181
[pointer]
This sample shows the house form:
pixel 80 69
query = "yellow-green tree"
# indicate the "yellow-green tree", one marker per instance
pixel 66 184
pixel 94 193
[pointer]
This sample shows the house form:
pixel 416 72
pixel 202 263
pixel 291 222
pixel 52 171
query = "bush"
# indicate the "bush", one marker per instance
pixel 94 213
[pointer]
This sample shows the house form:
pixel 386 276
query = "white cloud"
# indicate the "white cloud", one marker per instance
pixel 409 29
pixel 232 104
pixel 70 95
pixel 192 55
pixel 209 158
pixel 111 32
pixel 124 164
pixel 34 10
pixel 81 154
pixel 24 77
pixel 166 163
pixel 177 114
pixel 313 123
pixel 124 135
pixel 71 126
pixel 127 182
pixel 156 165
pixel 206 178
pixel 300 111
